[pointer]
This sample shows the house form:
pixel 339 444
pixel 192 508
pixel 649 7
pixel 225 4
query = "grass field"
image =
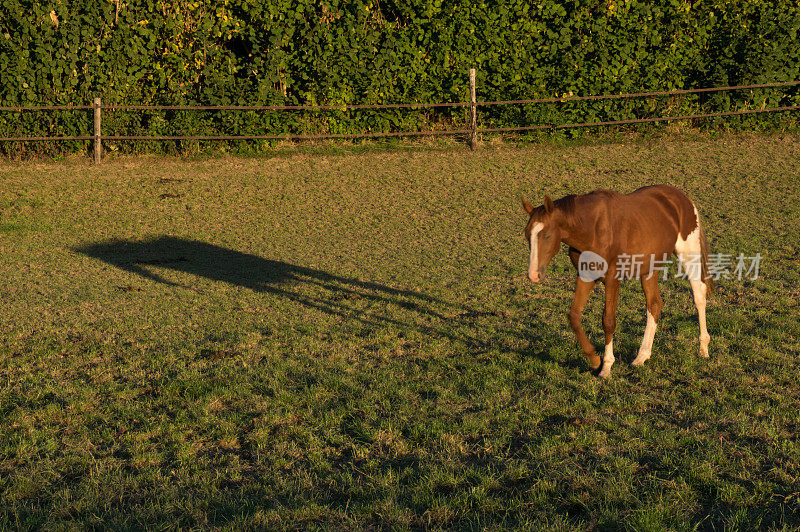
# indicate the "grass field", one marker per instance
pixel 348 340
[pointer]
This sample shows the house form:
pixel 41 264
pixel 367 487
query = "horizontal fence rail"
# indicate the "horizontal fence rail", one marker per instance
pixel 638 120
pixel 292 136
pixel 36 139
pixel 347 107
pixel 97 137
pixel 332 107
pixel 677 92
pixel 46 108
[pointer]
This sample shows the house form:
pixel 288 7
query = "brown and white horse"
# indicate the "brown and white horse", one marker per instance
pixel 613 229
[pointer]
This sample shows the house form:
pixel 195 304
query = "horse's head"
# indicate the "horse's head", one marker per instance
pixel 544 236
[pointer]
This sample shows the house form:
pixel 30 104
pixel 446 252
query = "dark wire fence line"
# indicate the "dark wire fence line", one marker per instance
pixel 301 136
pixel 320 136
pixel 342 107
pixel 290 136
pixel 640 120
pixel 46 108
pixel 331 107
pixel 642 94
pixel 35 139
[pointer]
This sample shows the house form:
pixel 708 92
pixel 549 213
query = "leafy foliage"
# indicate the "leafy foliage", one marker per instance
pixel 331 51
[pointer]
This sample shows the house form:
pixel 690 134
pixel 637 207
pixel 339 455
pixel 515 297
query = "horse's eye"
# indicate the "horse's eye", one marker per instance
pixel 547 236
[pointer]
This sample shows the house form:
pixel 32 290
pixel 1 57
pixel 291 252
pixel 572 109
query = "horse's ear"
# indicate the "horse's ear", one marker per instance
pixel 527 206
pixel 548 204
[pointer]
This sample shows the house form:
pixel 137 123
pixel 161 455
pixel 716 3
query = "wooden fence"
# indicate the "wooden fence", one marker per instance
pixel 471 132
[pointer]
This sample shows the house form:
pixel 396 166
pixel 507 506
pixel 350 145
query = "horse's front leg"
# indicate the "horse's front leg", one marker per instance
pixel 583 289
pixel 610 322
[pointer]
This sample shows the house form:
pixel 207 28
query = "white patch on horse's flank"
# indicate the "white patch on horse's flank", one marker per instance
pixel 647 341
pixel 608 359
pixel 533 264
pixel 689 251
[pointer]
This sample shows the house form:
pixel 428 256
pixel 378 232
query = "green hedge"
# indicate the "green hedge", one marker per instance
pixel 371 51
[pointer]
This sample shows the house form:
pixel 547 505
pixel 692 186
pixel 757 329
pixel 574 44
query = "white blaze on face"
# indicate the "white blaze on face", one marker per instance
pixel 533 264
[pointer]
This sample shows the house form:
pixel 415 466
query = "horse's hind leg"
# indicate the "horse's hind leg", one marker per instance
pixel 699 289
pixel 689 253
pixel 654 303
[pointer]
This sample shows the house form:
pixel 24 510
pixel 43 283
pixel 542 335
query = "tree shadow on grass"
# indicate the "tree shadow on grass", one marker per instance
pixel 332 294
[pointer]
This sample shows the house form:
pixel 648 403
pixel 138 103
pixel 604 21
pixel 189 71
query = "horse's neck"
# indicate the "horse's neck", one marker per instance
pixel 578 240
pixel 579 231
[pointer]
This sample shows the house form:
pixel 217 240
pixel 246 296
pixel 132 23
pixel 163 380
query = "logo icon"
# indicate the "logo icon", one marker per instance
pixel 591 266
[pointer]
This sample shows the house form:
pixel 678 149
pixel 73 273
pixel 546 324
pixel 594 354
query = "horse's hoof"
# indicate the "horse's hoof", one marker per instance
pixel 703 352
pixel 594 361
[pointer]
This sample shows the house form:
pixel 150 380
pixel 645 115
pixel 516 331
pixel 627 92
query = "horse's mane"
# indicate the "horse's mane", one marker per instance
pixel 604 192
pixel 573 205
pixel 570 206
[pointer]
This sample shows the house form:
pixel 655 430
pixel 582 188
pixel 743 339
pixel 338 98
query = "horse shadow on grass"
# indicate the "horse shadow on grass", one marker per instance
pixel 329 293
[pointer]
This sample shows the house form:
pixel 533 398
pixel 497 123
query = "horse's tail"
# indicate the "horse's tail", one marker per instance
pixel 707 279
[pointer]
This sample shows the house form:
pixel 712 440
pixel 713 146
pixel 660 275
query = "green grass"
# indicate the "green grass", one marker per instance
pixel 348 340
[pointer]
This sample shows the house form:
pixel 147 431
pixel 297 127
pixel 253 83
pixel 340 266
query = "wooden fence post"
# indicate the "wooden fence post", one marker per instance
pixel 98 146
pixel 473 138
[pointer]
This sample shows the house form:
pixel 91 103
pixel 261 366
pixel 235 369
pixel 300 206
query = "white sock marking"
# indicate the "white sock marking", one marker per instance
pixel 647 341
pixel 608 360
pixel 699 291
